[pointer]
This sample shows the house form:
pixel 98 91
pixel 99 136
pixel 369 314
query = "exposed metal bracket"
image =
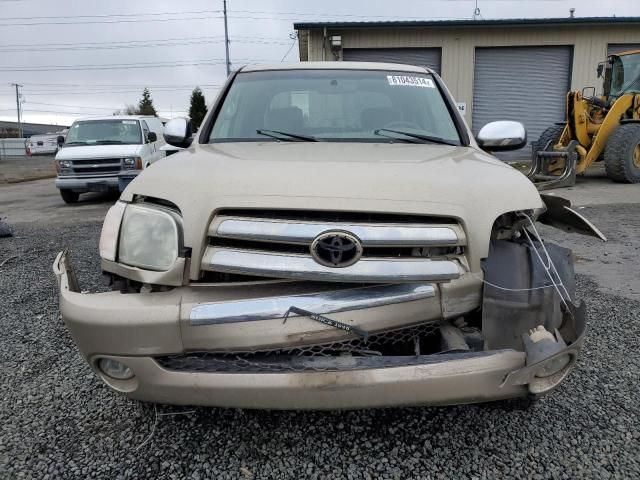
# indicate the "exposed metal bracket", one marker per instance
pixel 539 173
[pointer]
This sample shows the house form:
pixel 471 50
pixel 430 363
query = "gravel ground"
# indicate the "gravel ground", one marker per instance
pixel 58 421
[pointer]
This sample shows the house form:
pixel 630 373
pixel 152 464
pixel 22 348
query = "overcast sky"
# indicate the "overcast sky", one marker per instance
pixel 87 57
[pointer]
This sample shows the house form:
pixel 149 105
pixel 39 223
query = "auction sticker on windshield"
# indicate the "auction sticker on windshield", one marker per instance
pixel 404 80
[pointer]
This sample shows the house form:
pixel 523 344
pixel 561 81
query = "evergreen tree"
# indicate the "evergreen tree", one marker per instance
pixel 198 108
pixel 145 107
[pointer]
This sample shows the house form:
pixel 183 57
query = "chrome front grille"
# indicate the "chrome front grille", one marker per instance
pixel 391 249
pixel 96 166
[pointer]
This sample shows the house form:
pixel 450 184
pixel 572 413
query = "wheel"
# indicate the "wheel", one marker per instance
pixel 551 134
pixel 622 154
pixel 69 196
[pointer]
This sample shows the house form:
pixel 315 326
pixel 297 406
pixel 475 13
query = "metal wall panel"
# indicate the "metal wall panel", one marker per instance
pixel 525 84
pixel 423 57
pixel 621 47
pixel 458 47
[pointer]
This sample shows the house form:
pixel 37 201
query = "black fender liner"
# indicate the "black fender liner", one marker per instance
pixel 518 294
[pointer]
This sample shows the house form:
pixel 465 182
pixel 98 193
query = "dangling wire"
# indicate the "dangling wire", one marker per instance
pixel 549 266
pixel 294 37
pixel 476 13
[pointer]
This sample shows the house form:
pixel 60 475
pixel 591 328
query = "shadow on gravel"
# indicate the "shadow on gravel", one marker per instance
pixel 96 197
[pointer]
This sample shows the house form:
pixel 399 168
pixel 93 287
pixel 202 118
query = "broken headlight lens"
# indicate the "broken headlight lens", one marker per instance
pixel 110 231
pixel 149 237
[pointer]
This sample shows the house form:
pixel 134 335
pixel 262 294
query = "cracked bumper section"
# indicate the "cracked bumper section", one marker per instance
pixel 133 329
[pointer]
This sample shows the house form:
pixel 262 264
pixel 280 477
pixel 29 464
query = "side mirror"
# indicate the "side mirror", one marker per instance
pixel 177 132
pixel 152 137
pixel 502 136
pixel 60 140
pixel 600 69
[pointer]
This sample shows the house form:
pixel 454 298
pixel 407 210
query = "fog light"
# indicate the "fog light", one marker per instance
pixel 115 369
pixel 541 344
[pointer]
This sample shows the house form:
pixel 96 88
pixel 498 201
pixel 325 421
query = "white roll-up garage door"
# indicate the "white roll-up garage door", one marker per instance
pixel 621 47
pixel 525 84
pixel 423 57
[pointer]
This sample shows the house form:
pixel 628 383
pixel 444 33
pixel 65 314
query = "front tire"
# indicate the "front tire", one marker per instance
pixel 551 134
pixel 622 154
pixel 69 196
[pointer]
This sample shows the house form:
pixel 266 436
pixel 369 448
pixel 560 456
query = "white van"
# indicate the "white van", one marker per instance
pixel 45 144
pixel 101 151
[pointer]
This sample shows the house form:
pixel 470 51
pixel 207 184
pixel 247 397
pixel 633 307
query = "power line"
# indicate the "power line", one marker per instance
pixel 272 14
pixel 109 15
pixel 115 66
pixel 255 37
pixel 69 106
pixel 124 85
pixel 137 44
pixel 108 21
pixel 105 92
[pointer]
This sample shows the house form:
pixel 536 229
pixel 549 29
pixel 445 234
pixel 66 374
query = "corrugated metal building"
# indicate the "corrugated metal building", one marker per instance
pixel 496 69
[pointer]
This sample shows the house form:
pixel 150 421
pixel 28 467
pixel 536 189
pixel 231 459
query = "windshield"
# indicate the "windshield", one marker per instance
pixel 625 74
pixel 90 132
pixel 333 105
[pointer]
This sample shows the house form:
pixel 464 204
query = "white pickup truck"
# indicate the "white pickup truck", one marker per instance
pixel 100 152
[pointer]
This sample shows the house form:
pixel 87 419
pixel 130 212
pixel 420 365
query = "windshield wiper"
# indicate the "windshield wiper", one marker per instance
pixel 288 136
pixel 417 136
pixel 75 143
pixel 109 142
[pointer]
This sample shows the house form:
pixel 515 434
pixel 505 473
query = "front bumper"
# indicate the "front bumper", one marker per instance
pixel 137 329
pixel 88 184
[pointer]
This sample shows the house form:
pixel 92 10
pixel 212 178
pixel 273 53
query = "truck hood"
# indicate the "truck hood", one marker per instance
pixel 459 182
pixel 98 151
pixel 398 172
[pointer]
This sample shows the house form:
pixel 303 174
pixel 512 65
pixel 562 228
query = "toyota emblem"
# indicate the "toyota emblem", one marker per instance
pixel 336 249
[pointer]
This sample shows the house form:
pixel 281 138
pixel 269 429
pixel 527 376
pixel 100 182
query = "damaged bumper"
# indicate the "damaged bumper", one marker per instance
pixel 166 340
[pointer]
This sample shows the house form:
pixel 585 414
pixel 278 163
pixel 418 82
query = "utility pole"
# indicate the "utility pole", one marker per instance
pixel 17 85
pixel 226 36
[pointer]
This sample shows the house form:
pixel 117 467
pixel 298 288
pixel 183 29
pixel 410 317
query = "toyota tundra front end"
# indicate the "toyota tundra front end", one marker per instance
pixel 334 238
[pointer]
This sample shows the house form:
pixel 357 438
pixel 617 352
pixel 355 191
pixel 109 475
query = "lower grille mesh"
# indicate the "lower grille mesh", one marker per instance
pixel 399 344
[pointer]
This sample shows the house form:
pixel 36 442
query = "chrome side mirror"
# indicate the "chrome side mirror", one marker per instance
pixel 177 132
pixel 501 136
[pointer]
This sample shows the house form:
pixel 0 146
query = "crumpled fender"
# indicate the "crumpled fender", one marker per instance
pixel 559 214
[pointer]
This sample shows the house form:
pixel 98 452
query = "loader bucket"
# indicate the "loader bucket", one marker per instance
pixel 539 172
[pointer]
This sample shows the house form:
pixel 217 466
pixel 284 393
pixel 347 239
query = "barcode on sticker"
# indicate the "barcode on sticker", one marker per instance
pixel 408 81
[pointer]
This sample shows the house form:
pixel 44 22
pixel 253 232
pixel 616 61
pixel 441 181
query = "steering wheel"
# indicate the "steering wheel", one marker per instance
pixel 403 124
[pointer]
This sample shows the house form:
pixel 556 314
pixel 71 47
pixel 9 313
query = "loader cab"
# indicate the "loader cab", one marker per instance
pixel 621 74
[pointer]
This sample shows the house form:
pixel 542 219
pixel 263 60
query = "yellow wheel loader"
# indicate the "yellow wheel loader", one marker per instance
pixel 598 128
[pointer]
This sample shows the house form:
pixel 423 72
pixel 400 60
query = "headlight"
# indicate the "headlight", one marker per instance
pixel 149 237
pixel 131 163
pixel 64 164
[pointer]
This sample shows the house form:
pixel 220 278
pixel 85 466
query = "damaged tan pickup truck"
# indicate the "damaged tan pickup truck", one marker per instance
pixel 335 237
